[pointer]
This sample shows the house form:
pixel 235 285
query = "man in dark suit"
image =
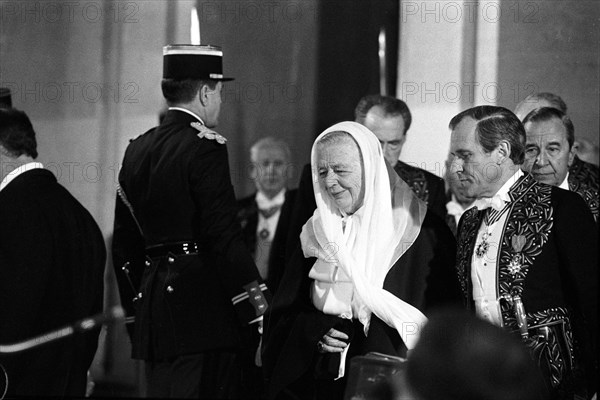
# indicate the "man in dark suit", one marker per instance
pixel 580 172
pixel 389 119
pixel 264 217
pixel 176 228
pixel 549 152
pixel 52 259
pixel 529 262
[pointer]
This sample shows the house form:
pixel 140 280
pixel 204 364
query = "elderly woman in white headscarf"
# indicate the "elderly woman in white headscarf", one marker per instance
pixel 343 295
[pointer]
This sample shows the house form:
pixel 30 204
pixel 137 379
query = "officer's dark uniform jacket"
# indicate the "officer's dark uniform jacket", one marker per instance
pixel 196 280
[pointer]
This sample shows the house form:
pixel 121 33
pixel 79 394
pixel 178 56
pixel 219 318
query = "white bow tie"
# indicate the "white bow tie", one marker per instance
pixel 497 202
pixel 454 208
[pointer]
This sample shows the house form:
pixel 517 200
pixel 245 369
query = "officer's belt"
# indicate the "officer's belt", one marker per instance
pixel 173 248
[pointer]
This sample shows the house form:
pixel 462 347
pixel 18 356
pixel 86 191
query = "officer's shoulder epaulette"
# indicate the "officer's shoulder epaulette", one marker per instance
pixel 207 133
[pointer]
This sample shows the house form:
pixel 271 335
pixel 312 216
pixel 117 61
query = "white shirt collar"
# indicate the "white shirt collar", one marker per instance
pixel 455 208
pixel 185 110
pixel 565 183
pixel 264 202
pixel 501 197
pixel 18 171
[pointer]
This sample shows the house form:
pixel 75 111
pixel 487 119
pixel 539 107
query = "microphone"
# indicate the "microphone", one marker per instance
pixel 112 315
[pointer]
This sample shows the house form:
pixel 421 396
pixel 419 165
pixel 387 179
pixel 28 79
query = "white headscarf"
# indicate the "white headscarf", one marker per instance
pixel 376 236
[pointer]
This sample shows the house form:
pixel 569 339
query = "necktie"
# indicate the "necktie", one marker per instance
pixel 269 212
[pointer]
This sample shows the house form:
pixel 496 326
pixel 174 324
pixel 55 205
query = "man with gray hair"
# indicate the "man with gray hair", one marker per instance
pixel 579 170
pixel 265 218
pixel 549 152
pixel 264 215
pixel 527 254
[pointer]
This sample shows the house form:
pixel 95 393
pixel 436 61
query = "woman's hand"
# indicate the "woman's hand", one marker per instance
pixel 331 343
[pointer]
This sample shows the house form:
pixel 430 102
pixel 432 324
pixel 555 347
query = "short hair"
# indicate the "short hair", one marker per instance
pixel 16 133
pixel 270 141
pixel 548 113
pixel 391 107
pixel 495 124
pixel 184 91
pixel 555 101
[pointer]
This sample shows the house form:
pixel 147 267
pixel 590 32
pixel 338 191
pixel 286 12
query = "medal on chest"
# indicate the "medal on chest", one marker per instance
pixel 516 261
pixel 491 217
pixel 483 246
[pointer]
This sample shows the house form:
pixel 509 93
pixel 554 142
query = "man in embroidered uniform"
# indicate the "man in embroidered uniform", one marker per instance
pixel 580 172
pixel 264 217
pixel 549 152
pixel 529 262
pixel 52 260
pixel 177 237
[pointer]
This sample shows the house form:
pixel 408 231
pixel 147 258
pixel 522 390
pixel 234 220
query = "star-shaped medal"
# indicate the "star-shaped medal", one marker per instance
pixel 482 248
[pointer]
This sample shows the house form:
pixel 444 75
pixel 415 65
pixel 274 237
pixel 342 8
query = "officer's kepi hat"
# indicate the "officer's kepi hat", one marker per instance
pixel 186 61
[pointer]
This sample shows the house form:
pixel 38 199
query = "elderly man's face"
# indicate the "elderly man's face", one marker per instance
pixel 389 130
pixel 341 174
pixel 547 153
pixel 269 166
pixel 477 172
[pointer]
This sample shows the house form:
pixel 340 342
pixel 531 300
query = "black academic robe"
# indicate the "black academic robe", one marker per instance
pixel 549 257
pixel 52 259
pixel 423 277
pixel 179 189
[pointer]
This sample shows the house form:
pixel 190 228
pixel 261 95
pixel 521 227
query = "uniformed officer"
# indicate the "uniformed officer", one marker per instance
pixel 177 242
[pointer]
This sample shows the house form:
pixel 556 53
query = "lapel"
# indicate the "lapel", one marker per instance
pixel 467 233
pixel 526 231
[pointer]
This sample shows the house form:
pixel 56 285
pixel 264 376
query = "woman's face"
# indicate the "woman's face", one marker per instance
pixel 341 173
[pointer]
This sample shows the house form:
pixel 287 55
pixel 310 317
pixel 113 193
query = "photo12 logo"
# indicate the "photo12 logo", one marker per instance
pixel 73 92
pixel 27 12
pixel 256 12
pixel 489 11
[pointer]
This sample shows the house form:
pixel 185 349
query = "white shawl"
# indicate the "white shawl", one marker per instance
pixel 351 266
